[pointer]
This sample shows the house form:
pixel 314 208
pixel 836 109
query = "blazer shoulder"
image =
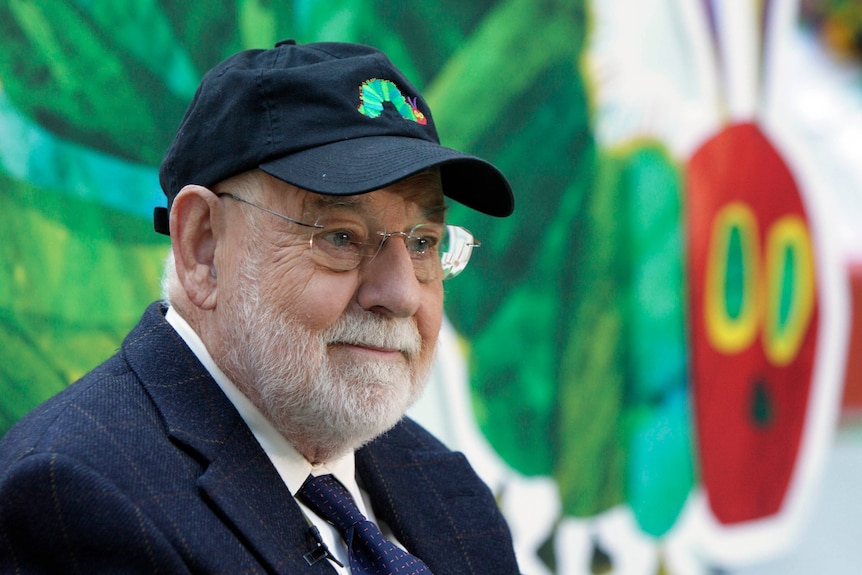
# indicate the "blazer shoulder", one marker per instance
pixel 78 419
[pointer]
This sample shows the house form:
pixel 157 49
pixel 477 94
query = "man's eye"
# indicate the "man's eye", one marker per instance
pixel 338 238
pixel 422 244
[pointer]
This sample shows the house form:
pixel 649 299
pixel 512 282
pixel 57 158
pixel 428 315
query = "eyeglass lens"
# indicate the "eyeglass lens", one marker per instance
pixel 343 242
pixel 438 251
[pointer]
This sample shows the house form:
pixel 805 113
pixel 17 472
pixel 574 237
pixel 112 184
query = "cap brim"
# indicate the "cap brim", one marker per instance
pixel 362 165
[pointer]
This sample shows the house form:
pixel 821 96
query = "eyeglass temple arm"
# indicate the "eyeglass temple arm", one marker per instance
pixel 276 214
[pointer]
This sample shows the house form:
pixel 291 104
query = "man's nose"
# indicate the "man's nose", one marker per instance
pixel 389 283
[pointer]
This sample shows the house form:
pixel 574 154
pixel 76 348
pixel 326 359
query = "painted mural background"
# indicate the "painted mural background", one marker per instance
pixel 646 362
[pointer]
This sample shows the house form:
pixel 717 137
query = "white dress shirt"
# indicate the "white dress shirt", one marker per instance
pixel 290 464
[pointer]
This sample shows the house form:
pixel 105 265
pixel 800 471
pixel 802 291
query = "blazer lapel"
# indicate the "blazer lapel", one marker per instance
pixel 424 498
pixel 247 490
pixel 239 481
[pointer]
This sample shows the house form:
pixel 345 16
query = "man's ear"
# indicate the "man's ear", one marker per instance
pixel 193 237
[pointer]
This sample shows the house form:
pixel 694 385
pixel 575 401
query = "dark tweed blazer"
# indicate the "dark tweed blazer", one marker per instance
pixel 144 466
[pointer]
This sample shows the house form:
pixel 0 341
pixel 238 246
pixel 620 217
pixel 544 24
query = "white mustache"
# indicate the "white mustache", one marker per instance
pixel 368 329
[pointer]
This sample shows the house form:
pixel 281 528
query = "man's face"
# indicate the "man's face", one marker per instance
pixel 333 358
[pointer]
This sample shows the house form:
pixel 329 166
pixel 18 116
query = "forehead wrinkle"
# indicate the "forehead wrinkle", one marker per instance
pixel 432 208
pixel 436 211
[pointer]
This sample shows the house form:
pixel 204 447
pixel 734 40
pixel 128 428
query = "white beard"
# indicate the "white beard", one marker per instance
pixel 324 408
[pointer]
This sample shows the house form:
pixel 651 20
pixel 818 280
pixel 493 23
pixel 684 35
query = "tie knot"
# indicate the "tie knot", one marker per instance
pixel 328 497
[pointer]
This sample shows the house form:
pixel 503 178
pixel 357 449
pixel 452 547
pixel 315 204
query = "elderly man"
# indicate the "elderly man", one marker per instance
pixel 253 422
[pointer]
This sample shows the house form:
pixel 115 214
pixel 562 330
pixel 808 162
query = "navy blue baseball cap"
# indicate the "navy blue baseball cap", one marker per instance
pixel 329 118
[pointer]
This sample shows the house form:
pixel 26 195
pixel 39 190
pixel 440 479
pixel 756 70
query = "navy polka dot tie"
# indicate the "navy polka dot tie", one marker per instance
pixel 369 551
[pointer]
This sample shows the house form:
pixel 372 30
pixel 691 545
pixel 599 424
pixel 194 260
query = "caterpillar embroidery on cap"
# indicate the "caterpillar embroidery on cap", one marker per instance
pixel 374 92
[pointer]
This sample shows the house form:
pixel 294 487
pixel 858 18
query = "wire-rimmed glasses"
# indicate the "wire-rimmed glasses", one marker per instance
pixel 340 243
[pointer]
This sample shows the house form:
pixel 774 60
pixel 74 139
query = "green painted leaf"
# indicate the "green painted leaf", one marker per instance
pixel 78 277
pixel 60 69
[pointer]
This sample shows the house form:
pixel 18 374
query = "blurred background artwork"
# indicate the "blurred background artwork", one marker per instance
pixel 656 363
